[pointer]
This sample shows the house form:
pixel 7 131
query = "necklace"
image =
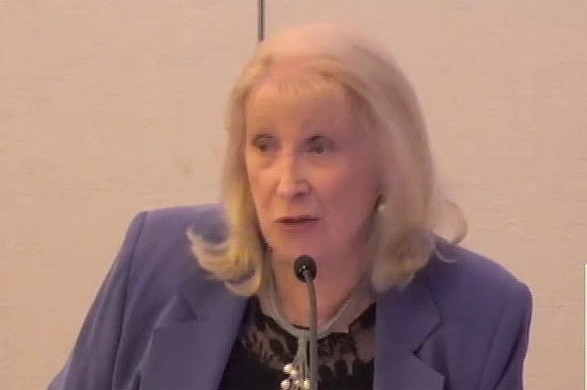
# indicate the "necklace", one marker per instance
pixel 298 370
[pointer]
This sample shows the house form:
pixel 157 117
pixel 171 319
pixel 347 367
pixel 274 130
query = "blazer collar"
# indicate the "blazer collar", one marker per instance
pixel 405 319
pixel 191 345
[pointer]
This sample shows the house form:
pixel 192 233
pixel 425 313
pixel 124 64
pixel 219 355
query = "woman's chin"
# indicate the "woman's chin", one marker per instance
pixel 290 254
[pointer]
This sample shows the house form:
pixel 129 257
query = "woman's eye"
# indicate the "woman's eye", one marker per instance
pixel 319 149
pixel 263 147
pixel 320 145
pixel 263 143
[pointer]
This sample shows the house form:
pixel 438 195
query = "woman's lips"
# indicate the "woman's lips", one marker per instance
pixel 297 224
pixel 297 218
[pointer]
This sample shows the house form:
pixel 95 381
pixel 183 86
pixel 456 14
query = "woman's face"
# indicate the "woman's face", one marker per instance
pixel 311 169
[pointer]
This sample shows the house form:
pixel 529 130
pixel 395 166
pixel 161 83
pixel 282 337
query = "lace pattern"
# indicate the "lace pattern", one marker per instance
pixel 343 357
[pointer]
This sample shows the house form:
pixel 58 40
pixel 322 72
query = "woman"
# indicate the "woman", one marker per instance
pixel 327 157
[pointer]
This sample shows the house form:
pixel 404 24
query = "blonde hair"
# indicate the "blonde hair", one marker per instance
pixel 412 205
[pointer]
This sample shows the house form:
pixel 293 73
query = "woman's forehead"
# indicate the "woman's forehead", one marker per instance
pixel 303 88
pixel 303 96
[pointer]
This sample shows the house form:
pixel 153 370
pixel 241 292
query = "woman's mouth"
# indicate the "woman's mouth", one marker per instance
pixel 302 218
pixel 297 223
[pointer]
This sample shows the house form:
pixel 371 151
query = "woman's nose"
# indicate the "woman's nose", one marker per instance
pixel 291 179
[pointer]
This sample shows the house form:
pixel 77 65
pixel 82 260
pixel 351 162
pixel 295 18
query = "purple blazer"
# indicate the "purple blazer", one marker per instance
pixel 160 323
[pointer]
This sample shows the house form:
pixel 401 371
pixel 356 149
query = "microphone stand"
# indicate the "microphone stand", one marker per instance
pixel 305 269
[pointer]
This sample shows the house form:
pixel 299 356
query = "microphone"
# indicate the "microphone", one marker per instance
pixel 305 270
pixel 304 264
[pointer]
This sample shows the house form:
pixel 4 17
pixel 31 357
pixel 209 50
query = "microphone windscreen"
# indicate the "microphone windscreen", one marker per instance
pixel 302 264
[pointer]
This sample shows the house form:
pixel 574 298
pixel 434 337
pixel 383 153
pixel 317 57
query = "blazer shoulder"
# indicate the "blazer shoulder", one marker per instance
pixel 459 275
pixel 143 285
pixel 160 255
pixel 207 220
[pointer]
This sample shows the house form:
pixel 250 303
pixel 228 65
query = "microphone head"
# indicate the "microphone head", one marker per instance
pixel 305 264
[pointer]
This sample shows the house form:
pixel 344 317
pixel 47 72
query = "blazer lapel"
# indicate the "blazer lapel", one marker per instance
pixel 191 345
pixel 405 318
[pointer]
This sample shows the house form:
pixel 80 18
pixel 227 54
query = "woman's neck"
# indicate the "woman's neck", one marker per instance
pixel 334 287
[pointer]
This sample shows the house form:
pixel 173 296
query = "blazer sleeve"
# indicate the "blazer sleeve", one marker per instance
pixel 92 362
pixel 504 364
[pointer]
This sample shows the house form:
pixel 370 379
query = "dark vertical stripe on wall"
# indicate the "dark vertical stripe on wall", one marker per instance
pixel 260 20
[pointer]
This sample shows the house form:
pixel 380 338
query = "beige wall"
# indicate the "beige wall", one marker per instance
pixel 108 108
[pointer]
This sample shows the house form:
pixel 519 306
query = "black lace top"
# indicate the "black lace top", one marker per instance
pixel 262 348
